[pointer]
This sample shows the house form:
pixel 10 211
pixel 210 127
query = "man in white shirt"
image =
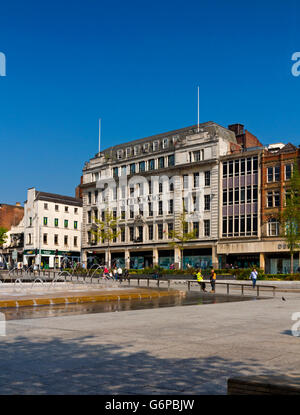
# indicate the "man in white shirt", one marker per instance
pixel 253 277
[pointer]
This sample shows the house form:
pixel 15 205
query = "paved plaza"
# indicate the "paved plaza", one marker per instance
pixel 176 350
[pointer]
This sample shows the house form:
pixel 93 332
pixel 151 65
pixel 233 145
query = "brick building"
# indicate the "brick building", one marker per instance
pixel 10 215
pixel 277 168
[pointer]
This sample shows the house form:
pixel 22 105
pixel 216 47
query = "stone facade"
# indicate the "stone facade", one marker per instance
pixel 147 183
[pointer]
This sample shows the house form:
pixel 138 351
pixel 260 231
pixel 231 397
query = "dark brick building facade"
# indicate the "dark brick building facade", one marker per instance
pixel 10 215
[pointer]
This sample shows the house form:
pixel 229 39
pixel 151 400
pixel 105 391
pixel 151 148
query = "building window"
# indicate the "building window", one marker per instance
pixel 115 172
pixel 150 209
pixel 207 178
pixel 249 165
pixel 255 164
pixel 165 143
pixel 75 240
pixel 160 187
pixel 155 145
pixel 45 238
pixel 236 167
pixel 136 150
pixel 160 231
pixel 206 227
pixel 171 185
pixel 196 229
pixel 131 233
pixel 151 164
pixel 65 240
pixel 230 168
pixel 171 160
pixel 132 168
pixel 170 230
pixel 196 179
pixel 30 221
pixel 224 231
pixel 122 234
pixel 67 208
pixel 55 239
pixel 277 199
pixel 206 202
pixel 150 232
pixel 56 222
pixel 236 196
pixel 230 197
pixel 185 181
pixel 171 206
pixel 76 211
pixel 123 170
pixel 76 223
pixel 288 171
pixel 131 215
pixel 243 161
pixel 56 208
pixel 66 223
pixel 225 169
pixel 230 226
pixel 161 162
pixel 89 218
pixel 45 221
pixel 123 213
pixel 46 206
pixel 160 207
pixel 224 197
pixel 142 166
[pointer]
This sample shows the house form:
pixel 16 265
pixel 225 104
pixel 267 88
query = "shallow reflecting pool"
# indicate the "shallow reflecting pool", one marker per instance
pixel 191 298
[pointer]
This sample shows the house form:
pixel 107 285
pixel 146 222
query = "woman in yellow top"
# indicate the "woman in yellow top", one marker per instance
pixel 200 280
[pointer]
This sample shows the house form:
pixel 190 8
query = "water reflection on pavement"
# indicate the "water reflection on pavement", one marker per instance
pixel 191 298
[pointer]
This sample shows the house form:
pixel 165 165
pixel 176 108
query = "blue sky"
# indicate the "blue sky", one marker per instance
pixel 137 66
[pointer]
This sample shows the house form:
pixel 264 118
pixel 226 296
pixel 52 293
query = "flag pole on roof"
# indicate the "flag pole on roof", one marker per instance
pixel 198 111
pixel 99 132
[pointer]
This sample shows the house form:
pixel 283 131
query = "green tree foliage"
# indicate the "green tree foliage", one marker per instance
pixel 181 236
pixel 3 236
pixel 106 231
pixel 290 217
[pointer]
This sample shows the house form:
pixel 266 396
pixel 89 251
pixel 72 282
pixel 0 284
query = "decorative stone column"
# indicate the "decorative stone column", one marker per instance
pixel 127 259
pixel 262 261
pixel 155 256
pixel 214 257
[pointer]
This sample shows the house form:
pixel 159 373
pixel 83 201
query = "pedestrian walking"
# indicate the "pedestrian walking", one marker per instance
pixel 213 277
pixel 253 277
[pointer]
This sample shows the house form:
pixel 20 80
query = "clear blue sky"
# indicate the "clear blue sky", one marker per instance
pixel 136 64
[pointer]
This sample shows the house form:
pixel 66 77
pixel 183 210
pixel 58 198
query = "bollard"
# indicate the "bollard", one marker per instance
pixel 242 286
pixel 227 289
pixel 148 282
pixel 257 291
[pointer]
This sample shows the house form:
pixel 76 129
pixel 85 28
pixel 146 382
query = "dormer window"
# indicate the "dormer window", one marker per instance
pixel 119 154
pixel 146 147
pixel 155 145
pixel 128 151
pixel 136 150
pixel 165 143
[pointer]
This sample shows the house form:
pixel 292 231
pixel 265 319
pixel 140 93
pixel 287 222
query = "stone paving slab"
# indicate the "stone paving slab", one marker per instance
pixel 176 350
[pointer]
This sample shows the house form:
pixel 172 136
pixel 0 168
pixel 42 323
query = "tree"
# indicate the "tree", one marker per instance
pixel 182 236
pixel 106 230
pixel 3 236
pixel 290 217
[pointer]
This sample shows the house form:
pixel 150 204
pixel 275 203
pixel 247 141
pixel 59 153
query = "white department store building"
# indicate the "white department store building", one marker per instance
pixel 52 229
pixel 146 183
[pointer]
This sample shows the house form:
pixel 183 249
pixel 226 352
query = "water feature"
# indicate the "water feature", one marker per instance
pixel 191 298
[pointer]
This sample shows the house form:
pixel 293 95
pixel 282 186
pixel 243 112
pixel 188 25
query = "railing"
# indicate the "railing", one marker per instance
pixel 189 282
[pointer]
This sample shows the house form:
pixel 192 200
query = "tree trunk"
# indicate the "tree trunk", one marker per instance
pixel 292 263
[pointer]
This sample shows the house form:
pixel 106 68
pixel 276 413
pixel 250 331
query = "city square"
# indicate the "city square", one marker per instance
pixel 149 200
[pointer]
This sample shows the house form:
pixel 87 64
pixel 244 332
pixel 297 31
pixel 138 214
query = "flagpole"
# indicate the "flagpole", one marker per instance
pixel 99 132
pixel 198 111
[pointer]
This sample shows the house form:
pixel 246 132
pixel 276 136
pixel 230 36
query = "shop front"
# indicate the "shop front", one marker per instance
pixel 197 258
pixel 141 259
pixel 281 263
pixel 166 258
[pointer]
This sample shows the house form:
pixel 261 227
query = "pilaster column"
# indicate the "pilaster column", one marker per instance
pixel 214 257
pixel 155 256
pixel 262 261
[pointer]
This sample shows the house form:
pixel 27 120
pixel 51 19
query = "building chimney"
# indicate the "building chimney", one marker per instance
pixel 18 204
